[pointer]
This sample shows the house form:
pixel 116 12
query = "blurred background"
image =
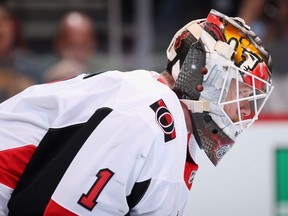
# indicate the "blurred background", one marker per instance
pixel 43 41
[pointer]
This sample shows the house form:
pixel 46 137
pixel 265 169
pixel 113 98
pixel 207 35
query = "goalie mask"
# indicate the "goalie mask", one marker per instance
pixel 236 86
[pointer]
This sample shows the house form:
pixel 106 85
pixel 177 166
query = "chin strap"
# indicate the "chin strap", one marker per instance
pixel 196 106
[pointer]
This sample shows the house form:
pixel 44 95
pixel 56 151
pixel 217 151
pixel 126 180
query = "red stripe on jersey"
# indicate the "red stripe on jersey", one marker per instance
pixel 189 173
pixel 13 162
pixel 54 209
pixel 190 168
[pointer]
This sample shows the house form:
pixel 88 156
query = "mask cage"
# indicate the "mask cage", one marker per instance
pixel 242 103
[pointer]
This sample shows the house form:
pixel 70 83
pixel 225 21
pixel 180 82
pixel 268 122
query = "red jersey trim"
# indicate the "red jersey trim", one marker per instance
pixel 13 162
pixel 190 167
pixel 54 209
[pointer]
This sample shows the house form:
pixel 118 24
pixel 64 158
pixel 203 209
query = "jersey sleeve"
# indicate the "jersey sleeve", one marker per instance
pixel 24 119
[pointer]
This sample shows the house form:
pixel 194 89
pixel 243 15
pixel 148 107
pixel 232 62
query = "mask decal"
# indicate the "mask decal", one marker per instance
pixel 246 56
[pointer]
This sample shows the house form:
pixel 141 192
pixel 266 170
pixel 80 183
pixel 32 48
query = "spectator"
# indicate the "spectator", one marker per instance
pixel 76 39
pixel 253 12
pixel 18 68
pixel 75 44
pixel 277 41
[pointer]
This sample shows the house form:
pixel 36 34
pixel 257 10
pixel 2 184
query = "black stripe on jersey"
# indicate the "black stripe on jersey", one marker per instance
pixel 138 191
pixel 93 74
pixel 50 161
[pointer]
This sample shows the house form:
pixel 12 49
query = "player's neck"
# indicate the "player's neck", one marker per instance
pixel 167 78
pixel 187 117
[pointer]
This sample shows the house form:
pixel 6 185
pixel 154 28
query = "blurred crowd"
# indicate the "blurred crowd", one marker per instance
pixel 75 44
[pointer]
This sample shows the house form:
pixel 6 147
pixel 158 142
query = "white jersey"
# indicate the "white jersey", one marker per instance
pixel 108 144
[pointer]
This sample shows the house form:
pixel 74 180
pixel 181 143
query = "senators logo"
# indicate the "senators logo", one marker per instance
pixel 164 119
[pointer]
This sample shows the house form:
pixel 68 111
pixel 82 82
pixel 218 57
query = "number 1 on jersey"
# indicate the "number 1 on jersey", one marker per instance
pixel 88 200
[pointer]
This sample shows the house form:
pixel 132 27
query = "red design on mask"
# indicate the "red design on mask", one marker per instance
pixel 260 71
